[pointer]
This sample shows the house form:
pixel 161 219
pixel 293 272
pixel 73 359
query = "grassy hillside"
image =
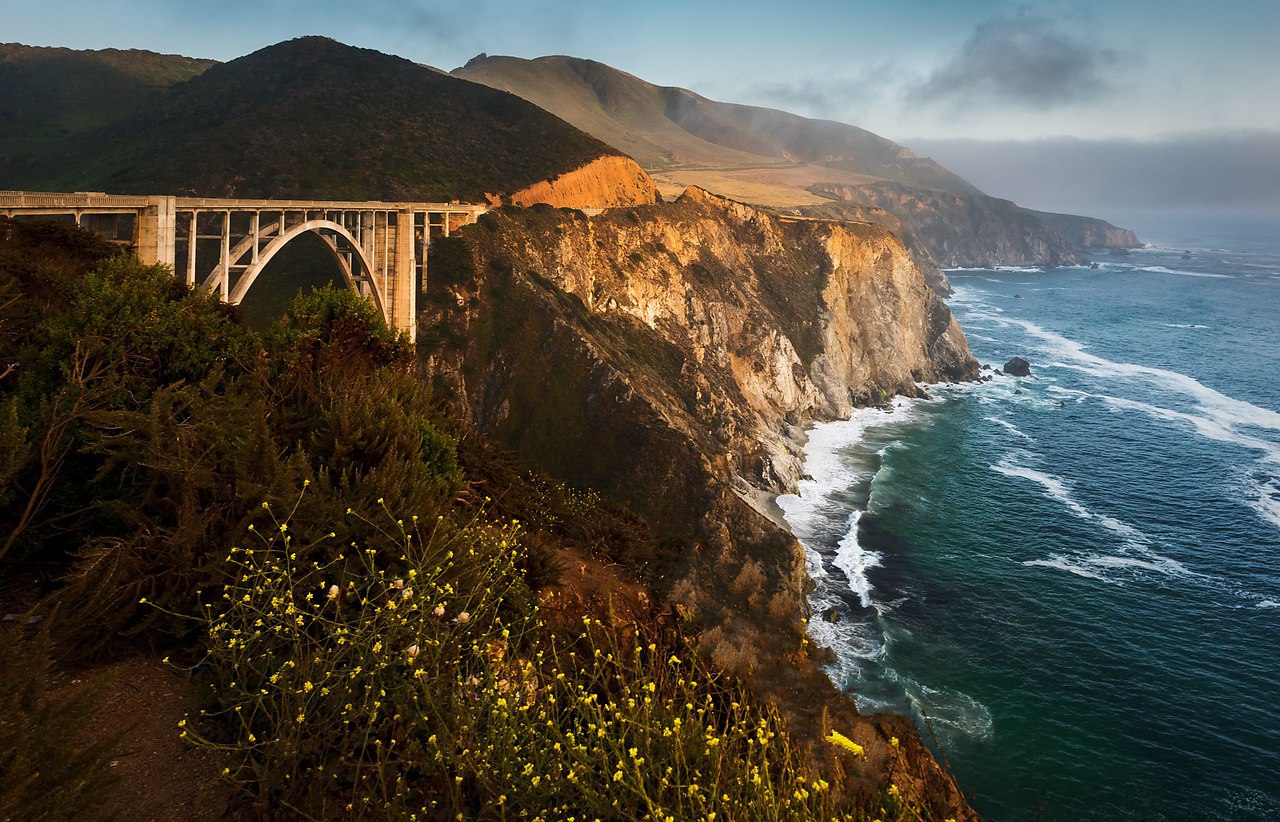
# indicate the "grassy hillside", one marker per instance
pixel 666 127
pixel 48 94
pixel 315 118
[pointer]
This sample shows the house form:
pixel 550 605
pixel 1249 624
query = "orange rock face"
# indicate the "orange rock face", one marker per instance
pixel 603 183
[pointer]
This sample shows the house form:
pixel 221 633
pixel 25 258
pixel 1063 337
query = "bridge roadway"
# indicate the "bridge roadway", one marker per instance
pixel 224 244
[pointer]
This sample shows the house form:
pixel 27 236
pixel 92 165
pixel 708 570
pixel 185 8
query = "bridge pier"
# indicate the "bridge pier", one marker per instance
pixel 155 231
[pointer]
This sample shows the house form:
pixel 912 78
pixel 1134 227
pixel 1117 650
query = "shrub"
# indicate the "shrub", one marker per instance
pixel 51 768
pixel 427 686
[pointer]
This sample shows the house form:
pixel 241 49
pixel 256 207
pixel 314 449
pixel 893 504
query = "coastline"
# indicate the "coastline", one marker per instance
pixel 820 629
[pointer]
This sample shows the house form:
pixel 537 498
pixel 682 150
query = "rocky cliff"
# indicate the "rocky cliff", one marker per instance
pixel 605 182
pixel 670 356
pixel 955 230
pixel 1089 232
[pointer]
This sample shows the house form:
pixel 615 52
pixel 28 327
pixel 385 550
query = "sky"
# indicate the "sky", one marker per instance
pixel 963 79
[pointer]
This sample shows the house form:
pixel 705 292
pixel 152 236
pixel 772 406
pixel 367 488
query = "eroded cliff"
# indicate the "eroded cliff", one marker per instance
pixel 669 356
pixel 1089 232
pixel 956 230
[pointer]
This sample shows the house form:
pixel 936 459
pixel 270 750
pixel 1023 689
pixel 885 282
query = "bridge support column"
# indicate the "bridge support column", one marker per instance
pixel 155 231
pixel 403 308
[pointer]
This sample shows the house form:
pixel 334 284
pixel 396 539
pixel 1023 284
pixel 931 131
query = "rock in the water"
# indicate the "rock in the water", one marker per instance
pixel 1018 367
pixel 831 615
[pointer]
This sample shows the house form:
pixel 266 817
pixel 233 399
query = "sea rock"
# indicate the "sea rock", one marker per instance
pixel 1018 367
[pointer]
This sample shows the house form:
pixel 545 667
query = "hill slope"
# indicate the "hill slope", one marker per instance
pixel 47 94
pixel 315 118
pixel 664 127
pixel 783 161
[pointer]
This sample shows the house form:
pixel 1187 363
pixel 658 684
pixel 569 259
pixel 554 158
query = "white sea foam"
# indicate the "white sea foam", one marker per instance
pixel 1053 486
pixel 1268 603
pixel 1159 269
pixel 1063 564
pixel 1216 407
pixel 1216 426
pixel 1184 325
pixel 1263 496
pixel 814 514
pixel 1135 552
pixel 1010 427
pixel 854 561
pixel 952 714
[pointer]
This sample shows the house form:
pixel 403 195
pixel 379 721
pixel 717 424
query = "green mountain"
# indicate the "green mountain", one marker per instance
pixel 665 127
pixel 48 94
pixel 317 119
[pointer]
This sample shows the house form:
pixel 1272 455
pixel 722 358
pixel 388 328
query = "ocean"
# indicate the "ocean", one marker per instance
pixel 1072 581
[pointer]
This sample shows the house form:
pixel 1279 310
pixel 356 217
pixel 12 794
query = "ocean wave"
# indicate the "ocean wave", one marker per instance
pixel 1097 566
pixel 1268 603
pixel 1159 269
pixel 1010 427
pixel 1135 553
pixel 1263 496
pixel 1184 325
pixel 1053 486
pixel 855 561
pixel 1224 411
pixel 951 714
pixel 1216 427
pixel 838 566
pixel 1058 490
pixel 1061 563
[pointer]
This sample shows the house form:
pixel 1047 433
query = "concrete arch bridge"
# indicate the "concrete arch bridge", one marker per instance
pixel 225 244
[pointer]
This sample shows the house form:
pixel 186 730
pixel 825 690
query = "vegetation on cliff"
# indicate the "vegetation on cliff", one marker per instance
pixel 314 118
pixel 354 578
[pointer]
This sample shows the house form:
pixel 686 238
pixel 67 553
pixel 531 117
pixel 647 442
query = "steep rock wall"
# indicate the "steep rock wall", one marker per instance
pixel 669 356
pixel 957 230
pixel 1089 232
pixel 606 182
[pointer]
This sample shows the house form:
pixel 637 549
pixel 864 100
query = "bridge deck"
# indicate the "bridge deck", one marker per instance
pixel 106 203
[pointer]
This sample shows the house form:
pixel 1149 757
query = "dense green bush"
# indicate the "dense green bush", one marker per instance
pixel 51 766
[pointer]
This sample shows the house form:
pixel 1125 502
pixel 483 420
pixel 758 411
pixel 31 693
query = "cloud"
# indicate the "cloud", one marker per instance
pixel 1027 60
pixel 1228 171
pixel 827 97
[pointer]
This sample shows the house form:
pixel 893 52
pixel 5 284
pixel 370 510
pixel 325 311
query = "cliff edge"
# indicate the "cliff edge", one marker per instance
pixel 669 356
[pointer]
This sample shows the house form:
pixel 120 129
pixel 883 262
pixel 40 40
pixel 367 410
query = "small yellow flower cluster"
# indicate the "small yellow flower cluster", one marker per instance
pixel 841 741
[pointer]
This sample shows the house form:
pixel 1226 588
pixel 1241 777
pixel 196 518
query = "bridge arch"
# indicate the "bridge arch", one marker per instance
pixel 326 229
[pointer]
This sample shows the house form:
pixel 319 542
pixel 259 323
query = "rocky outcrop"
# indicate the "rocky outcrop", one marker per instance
pixel 1089 232
pixel 1017 367
pixel 956 230
pixel 606 182
pixel 669 356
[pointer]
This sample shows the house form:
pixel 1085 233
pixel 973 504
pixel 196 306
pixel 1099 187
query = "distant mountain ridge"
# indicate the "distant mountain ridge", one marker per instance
pixel 664 126
pixel 318 119
pixel 792 164
pixel 48 94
